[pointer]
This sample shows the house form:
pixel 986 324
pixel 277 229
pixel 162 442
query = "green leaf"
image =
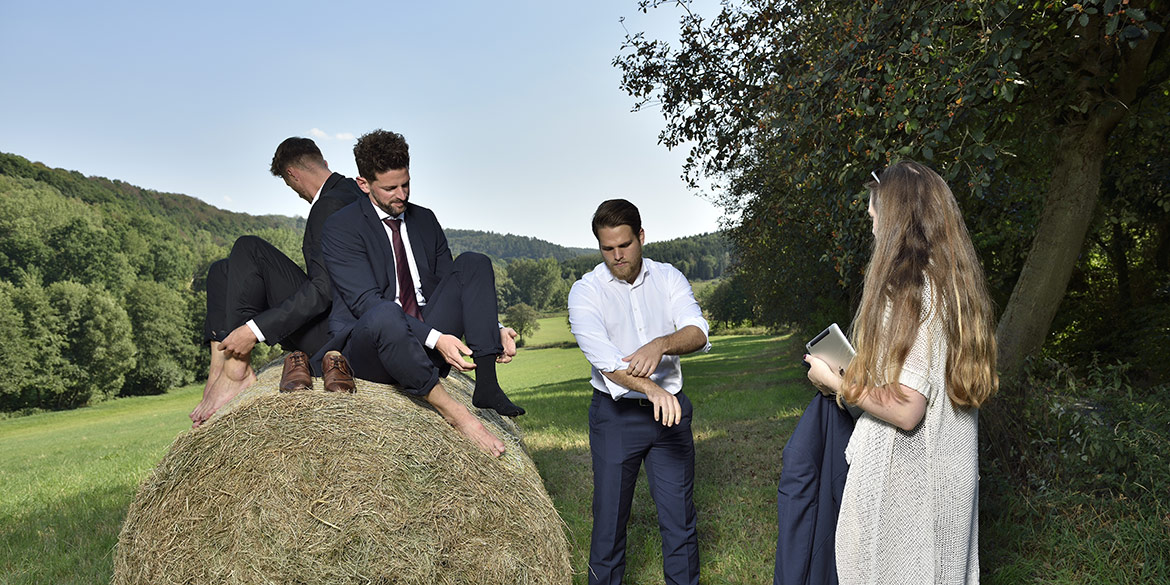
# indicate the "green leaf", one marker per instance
pixel 927 153
pixel 1084 19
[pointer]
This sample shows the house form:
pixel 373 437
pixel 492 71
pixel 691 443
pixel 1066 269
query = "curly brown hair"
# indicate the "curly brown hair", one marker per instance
pixel 380 151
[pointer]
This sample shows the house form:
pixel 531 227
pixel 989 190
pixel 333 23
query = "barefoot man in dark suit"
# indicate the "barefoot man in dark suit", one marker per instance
pixel 259 294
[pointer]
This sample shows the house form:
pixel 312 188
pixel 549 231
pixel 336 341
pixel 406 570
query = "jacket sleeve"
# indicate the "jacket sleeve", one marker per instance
pixel 350 266
pixel 314 297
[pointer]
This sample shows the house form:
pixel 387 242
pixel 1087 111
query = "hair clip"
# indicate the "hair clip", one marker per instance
pixel 875 177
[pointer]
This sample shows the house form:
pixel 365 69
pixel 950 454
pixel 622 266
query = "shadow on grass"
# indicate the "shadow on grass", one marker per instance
pixel 64 541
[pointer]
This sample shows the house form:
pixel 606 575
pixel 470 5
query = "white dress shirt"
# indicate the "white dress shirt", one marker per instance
pixel 612 318
pixel 433 336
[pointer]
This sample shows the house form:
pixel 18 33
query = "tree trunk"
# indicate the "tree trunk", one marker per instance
pixel 1060 235
pixel 1071 199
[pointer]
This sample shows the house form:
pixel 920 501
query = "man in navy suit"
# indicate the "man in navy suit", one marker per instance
pixel 259 294
pixel 402 304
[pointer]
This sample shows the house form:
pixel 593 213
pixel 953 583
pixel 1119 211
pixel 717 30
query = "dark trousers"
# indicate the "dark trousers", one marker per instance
pixel 383 348
pixel 623 434
pixel 253 278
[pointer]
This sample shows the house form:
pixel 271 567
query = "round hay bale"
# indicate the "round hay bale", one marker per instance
pixel 321 488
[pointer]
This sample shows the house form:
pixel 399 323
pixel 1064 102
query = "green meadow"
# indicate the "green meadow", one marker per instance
pixel 67 478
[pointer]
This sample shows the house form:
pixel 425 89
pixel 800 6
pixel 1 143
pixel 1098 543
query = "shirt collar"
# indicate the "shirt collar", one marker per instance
pixel 317 195
pixel 382 215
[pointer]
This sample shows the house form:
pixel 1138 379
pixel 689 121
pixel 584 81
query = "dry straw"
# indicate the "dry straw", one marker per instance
pixel 321 488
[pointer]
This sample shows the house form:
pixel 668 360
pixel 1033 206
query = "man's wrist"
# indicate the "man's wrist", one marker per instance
pixel 255 330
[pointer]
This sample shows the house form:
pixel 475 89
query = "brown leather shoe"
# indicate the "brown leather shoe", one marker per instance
pixel 296 375
pixel 336 373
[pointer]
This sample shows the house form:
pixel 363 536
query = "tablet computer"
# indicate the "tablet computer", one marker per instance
pixel 833 347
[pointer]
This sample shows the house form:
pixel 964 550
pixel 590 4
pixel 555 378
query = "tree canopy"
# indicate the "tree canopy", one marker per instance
pixel 791 105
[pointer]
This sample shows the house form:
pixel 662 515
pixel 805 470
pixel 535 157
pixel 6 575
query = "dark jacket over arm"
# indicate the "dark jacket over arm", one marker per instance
pixel 312 300
pixel 812 480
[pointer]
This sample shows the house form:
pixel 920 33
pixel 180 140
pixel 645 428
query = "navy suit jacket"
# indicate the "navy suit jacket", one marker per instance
pixel 809 499
pixel 361 262
pixel 310 301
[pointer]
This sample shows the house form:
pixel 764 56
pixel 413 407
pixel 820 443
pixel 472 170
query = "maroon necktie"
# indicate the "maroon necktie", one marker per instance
pixel 402 269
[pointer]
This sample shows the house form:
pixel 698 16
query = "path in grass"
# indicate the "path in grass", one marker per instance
pixel 68 477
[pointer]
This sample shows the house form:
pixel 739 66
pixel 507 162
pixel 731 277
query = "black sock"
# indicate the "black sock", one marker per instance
pixel 488 393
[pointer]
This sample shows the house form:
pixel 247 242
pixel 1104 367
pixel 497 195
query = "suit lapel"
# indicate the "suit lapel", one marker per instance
pixel 382 247
pixel 415 232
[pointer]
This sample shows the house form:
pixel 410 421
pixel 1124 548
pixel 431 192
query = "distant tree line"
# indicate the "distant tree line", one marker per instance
pixel 508 247
pixel 103 293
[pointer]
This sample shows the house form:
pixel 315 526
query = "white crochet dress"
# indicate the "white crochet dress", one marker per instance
pixel 910 509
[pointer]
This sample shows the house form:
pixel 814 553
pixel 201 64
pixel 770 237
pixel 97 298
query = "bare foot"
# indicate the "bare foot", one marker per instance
pixel 197 412
pixel 483 438
pixel 215 370
pixel 220 393
pixel 459 417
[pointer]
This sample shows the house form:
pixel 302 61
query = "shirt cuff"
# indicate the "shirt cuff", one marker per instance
pixel 255 330
pixel 616 390
pixel 432 338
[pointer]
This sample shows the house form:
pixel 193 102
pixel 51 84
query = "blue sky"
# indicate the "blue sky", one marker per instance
pixel 512 109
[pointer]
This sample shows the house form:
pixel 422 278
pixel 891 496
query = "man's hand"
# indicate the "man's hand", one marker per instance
pixel 239 342
pixel 453 351
pixel 667 410
pixel 644 361
pixel 508 340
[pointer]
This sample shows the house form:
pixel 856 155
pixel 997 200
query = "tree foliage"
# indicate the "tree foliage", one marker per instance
pixel 524 319
pixel 791 105
pixel 538 283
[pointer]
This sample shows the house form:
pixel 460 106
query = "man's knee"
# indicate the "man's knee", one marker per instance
pixel 473 261
pixel 384 321
pixel 248 245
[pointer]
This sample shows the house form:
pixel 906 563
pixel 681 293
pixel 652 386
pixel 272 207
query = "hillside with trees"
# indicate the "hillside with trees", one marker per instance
pixel 102 283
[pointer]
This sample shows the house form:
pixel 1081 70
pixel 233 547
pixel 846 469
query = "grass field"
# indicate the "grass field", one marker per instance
pixel 67 478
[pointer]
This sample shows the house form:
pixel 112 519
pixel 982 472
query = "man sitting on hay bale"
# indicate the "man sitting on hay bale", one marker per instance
pixel 402 304
pixel 259 294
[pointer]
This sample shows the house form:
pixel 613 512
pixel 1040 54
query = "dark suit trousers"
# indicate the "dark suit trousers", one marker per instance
pixel 383 348
pixel 254 277
pixel 623 434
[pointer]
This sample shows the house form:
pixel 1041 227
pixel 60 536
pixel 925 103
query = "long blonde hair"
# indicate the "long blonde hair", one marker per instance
pixel 920 236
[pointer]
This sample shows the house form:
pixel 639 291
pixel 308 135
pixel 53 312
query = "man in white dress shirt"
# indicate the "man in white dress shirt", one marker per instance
pixel 632 318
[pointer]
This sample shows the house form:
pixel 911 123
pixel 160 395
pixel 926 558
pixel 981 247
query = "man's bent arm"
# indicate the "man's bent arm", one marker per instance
pixel 666 407
pixel 645 360
pixel 313 298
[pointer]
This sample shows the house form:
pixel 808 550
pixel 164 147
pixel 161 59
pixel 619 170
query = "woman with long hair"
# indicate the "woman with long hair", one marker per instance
pixel 925 339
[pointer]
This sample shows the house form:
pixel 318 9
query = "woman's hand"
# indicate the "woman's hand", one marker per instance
pixel 822 376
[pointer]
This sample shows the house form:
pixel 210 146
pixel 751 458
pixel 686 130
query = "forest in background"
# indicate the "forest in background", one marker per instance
pixel 102 283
